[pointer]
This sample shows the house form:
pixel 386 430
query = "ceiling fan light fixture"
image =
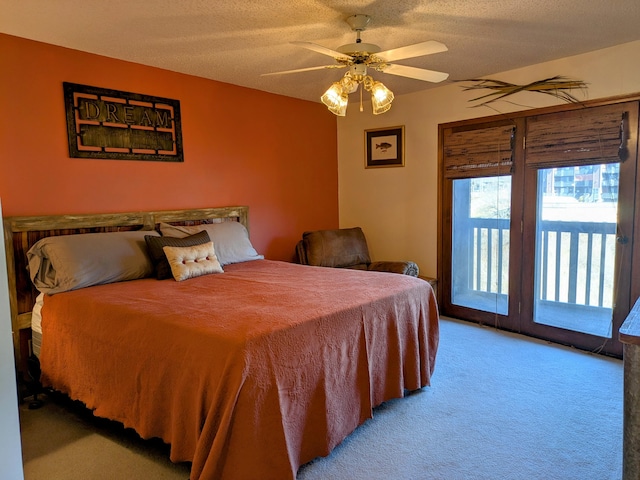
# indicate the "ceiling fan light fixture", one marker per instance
pixel 335 98
pixel 349 83
pixel 358 57
pixel 381 98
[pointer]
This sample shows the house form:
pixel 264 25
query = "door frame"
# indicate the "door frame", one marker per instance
pixel 520 315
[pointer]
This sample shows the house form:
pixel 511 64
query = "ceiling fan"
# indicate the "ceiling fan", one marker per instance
pixel 358 57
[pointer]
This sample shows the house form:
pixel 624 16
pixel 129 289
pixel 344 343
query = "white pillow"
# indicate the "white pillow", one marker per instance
pixel 67 262
pixel 231 240
pixel 190 262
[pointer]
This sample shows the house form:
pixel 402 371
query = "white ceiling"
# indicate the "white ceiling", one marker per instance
pixel 234 41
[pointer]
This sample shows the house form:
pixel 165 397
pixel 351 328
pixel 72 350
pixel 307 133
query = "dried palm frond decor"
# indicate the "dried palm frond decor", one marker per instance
pixel 558 86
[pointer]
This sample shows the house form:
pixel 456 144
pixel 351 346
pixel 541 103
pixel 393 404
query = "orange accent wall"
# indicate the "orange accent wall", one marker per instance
pixel 276 154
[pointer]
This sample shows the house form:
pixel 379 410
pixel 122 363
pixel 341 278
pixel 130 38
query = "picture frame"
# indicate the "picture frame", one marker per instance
pixel 384 147
pixel 116 125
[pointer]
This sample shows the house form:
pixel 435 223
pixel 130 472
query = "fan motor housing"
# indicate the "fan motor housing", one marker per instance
pixel 357 49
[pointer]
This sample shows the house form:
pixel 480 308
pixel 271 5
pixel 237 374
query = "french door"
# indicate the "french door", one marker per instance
pixel 536 232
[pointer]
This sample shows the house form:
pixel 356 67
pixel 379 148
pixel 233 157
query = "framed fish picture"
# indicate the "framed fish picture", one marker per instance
pixel 384 147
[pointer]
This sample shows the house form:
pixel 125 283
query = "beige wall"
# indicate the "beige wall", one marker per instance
pixel 397 207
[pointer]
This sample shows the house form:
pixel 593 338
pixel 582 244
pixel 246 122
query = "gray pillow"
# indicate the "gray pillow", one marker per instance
pixel 68 262
pixel 230 239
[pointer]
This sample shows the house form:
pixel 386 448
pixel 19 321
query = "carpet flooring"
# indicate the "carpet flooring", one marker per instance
pixel 501 406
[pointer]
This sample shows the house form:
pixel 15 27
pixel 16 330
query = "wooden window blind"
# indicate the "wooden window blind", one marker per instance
pixel 578 137
pixel 481 152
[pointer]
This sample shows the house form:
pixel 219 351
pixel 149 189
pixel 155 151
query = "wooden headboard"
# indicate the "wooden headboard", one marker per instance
pixel 20 233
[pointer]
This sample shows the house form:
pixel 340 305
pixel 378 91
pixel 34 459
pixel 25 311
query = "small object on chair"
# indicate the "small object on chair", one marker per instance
pixel 405 268
pixel 345 248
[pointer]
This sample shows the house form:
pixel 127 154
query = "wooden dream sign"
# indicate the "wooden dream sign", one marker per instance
pixel 111 124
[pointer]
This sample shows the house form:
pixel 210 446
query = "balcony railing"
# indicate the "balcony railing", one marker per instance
pixel 576 262
pixel 575 265
pixel 480 264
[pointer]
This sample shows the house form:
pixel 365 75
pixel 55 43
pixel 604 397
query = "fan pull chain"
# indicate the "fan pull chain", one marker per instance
pixel 361 108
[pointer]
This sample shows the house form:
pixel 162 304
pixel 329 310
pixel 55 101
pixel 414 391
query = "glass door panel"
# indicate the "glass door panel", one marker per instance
pixel 480 243
pixel 577 209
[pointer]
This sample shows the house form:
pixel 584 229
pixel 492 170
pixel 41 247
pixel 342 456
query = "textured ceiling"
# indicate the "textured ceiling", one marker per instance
pixel 235 41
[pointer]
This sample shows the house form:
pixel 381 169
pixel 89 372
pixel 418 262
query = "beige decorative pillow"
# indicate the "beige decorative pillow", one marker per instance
pixel 190 262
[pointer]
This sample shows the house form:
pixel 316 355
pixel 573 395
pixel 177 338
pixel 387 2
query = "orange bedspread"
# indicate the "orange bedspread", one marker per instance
pixel 250 373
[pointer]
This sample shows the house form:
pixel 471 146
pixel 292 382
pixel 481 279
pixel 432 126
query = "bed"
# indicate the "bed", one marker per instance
pixel 248 372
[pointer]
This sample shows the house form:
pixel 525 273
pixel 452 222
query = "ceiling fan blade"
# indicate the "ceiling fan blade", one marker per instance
pixel 323 50
pixel 308 69
pixel 417 73
pixel 410 51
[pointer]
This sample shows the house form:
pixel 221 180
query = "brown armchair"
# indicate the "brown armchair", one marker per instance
pixel 345 248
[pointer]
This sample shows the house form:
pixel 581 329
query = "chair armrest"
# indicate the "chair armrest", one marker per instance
pixel 405 268
pixel 301 253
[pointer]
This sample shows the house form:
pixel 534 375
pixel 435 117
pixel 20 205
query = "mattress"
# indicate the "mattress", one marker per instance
pixel 36 326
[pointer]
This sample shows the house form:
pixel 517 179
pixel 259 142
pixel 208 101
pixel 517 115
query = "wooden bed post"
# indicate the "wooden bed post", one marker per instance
pixel 13 301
